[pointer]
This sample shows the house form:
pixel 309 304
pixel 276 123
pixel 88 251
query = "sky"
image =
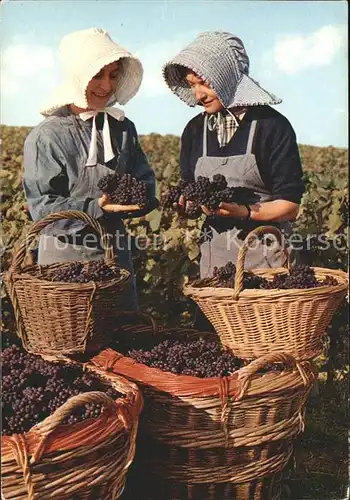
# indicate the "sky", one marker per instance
pixel 297 51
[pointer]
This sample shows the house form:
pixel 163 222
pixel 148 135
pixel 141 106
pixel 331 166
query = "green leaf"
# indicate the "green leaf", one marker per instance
pixel 335 220
pixel 155 220
pixel 193 252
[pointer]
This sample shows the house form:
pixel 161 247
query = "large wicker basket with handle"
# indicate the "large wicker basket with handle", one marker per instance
pixel 86 461
pixel 216 437
pixel 56 318
pixel 255 322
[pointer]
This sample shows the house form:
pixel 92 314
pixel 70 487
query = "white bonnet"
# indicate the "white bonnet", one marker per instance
pixel 83 54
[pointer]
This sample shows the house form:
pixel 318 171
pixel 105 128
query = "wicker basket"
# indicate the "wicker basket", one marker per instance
pixel 245 409
pixel 253 323
pixel 62 318
pixel 216 431
pixel 165 472
pixel 155 487
pixel 84 461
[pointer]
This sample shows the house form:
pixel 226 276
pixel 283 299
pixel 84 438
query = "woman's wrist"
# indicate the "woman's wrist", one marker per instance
pixel 245 211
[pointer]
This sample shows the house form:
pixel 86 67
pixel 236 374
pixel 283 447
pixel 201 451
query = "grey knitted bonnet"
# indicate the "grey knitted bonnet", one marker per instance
pixel 221 60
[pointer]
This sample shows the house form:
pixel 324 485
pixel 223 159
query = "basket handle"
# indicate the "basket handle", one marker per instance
pixel 20 451
pixel 38 226
pixel 238 283
pixel 247 372
pixel 47 426
pixel 143 317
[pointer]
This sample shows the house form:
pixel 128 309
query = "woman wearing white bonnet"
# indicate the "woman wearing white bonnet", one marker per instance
pixel 82 139
pixel 241 137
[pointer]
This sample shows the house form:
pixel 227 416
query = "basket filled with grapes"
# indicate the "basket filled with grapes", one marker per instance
pixel 208 413
pixel 66 432
pixel 65 308
pixel 260 311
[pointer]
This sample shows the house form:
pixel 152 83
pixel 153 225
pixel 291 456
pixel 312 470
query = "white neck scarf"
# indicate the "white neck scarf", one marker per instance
pixel 118 114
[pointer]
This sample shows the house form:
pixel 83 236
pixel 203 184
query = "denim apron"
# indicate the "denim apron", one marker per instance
pixel 223 236
pixel 54 249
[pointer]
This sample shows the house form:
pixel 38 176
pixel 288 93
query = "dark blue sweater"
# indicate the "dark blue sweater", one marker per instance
pixel 274 146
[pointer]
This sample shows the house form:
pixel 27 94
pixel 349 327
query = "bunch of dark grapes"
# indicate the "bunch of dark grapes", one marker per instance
pixel 199 358
pixel 32 389
pixel 172 195
pixel 192 207
pixel 225 272
pixel 79 272
pixel 219 182
pixel 300 277
pixel 225 276
pixel 169 197
pixel 109 183
pixel 125 189
pixel 203 191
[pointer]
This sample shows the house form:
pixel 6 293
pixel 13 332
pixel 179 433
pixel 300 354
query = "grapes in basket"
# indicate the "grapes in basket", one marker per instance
pixel 300 277
pixel 83 272
pixel 199 358
pixel 125 189
pixel 203 191
pixel 32 389
pixel 184 355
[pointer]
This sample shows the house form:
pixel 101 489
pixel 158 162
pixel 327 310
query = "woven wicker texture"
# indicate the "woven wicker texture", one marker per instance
pixel 85 461
pixel 253 323
pixel 62 318
pixel 219 465
pixel 156 488
pixel 208 430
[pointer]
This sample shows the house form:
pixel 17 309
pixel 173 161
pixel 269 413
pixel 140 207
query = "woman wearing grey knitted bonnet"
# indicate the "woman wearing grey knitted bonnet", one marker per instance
pixel 82 139
pixel 241 137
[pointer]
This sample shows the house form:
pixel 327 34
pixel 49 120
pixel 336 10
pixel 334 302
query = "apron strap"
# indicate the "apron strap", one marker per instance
pixel 251 137
pixel 122 147
pixel 124 139
pixel 205 132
